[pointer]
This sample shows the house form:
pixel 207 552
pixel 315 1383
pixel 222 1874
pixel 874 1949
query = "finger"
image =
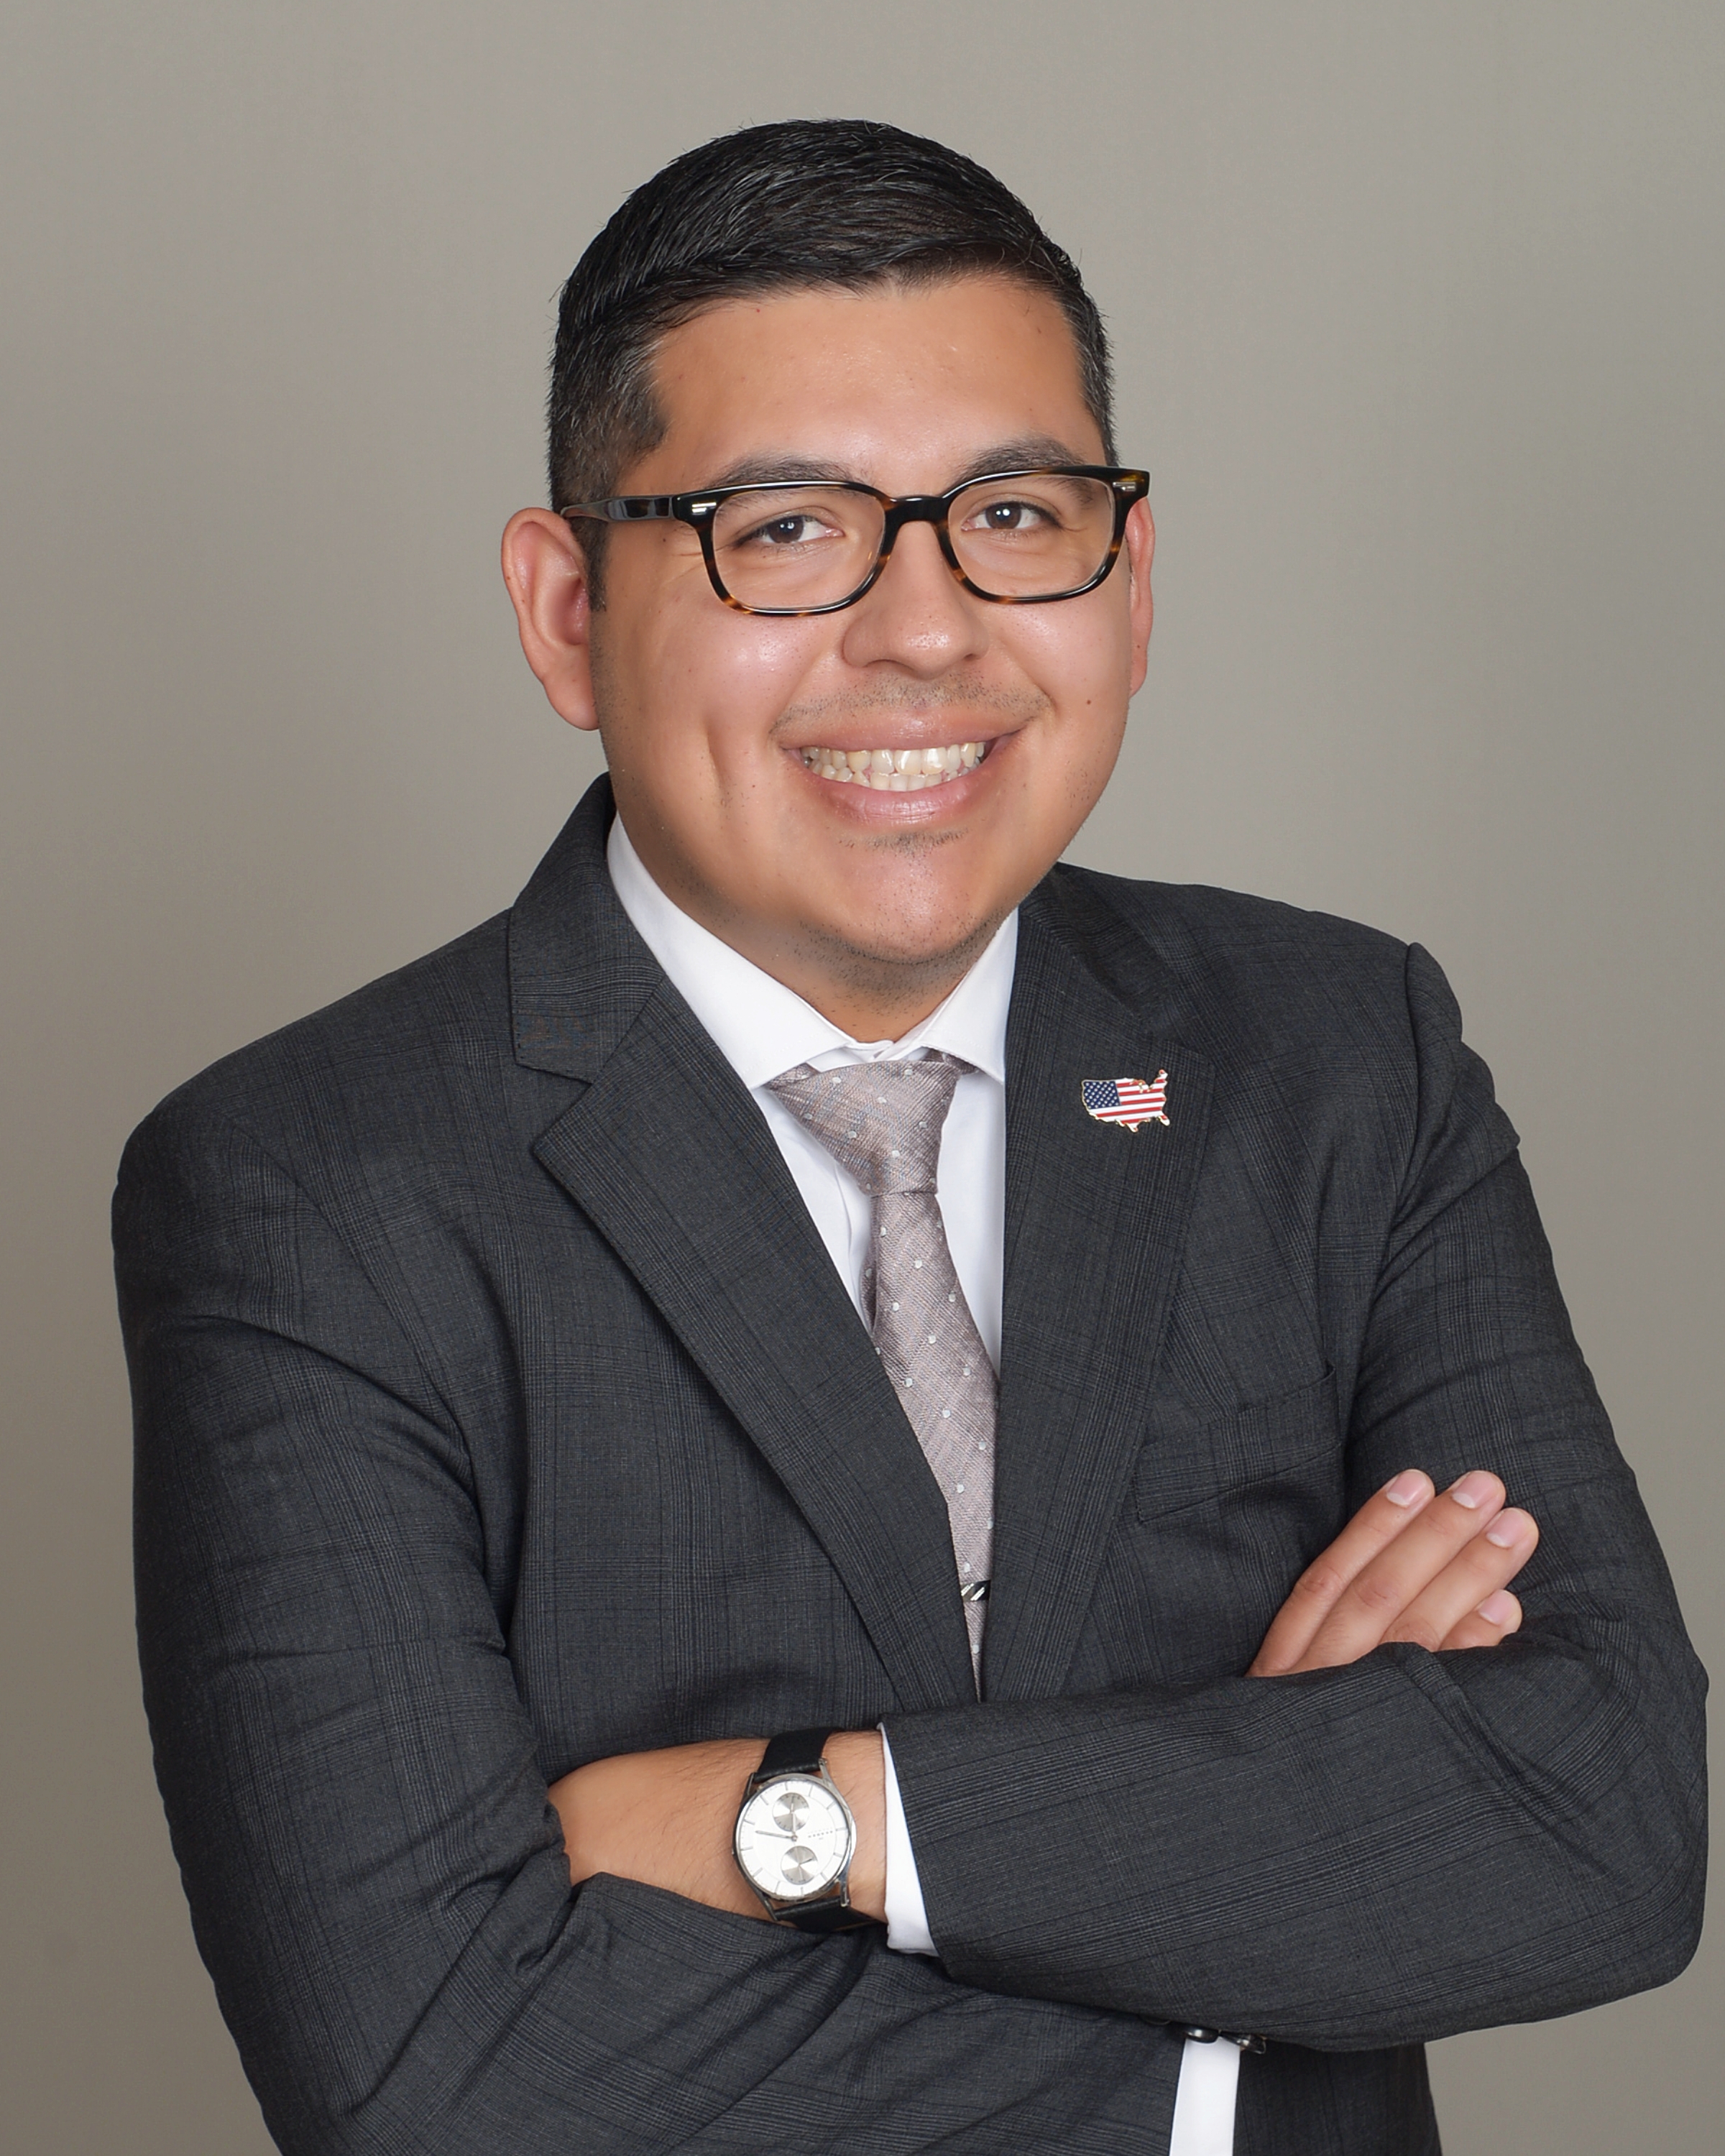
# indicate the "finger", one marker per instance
pixel 1476 1571
pixel 1496 1617
pixel 1318 1589
pixel 1372 1601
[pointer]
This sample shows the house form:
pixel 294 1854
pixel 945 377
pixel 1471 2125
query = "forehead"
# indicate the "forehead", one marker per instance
pixel 898 384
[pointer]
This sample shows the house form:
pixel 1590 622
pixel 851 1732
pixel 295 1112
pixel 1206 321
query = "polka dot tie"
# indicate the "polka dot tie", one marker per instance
pixel 883 1121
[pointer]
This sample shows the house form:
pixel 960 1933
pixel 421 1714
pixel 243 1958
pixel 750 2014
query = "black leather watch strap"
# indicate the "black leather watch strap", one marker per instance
pixel 824 1917
pixel 797 1752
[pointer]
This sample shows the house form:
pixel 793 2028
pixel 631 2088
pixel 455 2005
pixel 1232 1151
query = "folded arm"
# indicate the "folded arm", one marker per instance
pixel 1392 1847
pixel 1410 1566
pixel 1379 1850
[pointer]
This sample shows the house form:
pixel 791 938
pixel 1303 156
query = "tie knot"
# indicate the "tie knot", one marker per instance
pixel 881 1121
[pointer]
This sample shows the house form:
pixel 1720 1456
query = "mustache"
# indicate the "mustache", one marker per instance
pixel 903 698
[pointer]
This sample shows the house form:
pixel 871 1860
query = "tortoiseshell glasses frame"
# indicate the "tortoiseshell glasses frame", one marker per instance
pixel 700 508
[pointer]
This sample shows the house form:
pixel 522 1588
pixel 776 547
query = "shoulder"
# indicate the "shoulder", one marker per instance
pixel 389 1057
pixel 1319 1021
pixel 1245 977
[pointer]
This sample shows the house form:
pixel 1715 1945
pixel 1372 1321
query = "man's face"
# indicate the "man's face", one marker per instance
pixel 708 715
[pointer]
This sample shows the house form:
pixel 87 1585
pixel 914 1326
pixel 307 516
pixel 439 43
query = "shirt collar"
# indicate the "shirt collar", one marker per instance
pixel 762 1028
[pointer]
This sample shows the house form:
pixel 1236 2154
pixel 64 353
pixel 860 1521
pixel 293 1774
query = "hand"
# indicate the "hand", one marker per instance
pixel 1409 1565
pixel 665 1818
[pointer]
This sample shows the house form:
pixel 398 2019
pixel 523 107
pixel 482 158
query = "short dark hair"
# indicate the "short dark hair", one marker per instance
pixel 794 205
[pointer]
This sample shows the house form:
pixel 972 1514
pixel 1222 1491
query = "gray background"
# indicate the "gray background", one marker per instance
pixel 1418 316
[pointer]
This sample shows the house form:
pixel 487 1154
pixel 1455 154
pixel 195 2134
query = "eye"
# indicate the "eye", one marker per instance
pixel 1008 516
pixel 796 528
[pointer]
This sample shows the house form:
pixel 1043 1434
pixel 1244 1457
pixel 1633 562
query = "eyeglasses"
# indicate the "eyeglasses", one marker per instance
pixel 791 546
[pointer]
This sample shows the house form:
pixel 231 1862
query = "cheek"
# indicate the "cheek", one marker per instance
pixel 715 681
pixel 1080 656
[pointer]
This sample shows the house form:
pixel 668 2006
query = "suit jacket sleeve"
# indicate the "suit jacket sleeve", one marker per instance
pixel 1417 1844
pixel 377 1880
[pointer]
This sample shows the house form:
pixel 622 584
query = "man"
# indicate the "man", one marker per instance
pixel 819 1370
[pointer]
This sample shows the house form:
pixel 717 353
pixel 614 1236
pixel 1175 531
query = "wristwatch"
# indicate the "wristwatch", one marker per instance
pixel 795 1837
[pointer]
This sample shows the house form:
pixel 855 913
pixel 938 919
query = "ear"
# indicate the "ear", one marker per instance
pixel 546 571
pixel 1140 551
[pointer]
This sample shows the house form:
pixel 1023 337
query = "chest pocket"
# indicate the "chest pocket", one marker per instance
pixel 1284 1451
pixel 1230 1510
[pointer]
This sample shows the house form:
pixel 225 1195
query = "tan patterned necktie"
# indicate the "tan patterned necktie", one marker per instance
pixel 883 1121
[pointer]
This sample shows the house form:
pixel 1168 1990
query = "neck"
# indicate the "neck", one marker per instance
pixel 876 1010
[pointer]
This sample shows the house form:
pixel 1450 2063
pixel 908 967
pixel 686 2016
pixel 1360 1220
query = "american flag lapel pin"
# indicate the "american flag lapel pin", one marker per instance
pixel 1127 1101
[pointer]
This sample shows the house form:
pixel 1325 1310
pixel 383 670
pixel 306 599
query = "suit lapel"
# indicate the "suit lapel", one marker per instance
pixel 1095 1218
pixel 670 1159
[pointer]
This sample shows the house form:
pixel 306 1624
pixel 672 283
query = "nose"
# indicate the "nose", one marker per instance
pixel 918 617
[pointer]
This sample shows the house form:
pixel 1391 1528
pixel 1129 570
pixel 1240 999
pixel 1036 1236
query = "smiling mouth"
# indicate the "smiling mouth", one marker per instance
pixel 896 770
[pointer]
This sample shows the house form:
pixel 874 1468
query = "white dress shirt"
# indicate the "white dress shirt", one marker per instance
pixel 762 1028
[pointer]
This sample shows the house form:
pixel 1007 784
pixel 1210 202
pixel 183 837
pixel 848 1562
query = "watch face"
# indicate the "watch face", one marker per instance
pixel 793 1837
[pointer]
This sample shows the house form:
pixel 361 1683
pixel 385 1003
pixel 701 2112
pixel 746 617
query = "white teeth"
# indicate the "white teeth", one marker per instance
pixel 897 770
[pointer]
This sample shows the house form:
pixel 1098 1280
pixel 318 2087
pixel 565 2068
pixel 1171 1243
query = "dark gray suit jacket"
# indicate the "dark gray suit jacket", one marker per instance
pixel 499 1409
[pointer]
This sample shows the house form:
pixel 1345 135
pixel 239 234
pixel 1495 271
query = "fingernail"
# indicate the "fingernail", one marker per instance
pixel 1508 1529
pixel 1408 1486
pixel 1498 1609
pixel 1473 1490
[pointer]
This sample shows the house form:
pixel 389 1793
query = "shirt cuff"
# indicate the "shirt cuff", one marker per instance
pixel 906 1919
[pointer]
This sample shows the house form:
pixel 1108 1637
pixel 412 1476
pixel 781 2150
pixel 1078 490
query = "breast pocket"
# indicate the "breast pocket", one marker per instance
pixel 1230 1513
pixel 1285 1443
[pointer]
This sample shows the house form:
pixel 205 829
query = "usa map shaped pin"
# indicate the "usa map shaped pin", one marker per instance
pixel 1127 1101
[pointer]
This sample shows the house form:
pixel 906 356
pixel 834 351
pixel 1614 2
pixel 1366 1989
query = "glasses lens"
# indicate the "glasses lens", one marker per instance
pixel 1035 537
pixel 794 546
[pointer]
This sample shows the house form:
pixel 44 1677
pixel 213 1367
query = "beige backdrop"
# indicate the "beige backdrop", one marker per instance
pixel 1418 313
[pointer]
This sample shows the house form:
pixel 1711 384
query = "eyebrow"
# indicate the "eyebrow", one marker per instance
pixel 1029 449
pixel 768 468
